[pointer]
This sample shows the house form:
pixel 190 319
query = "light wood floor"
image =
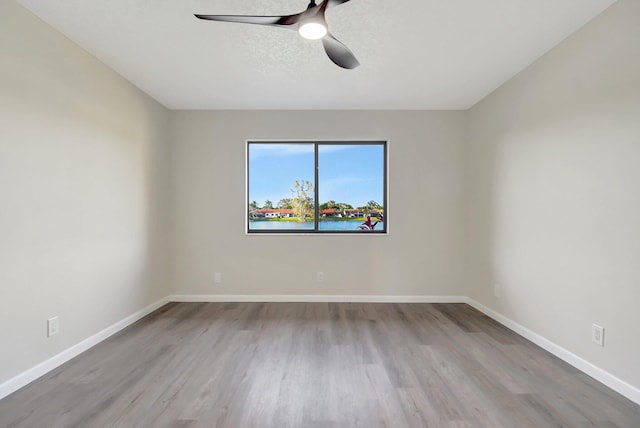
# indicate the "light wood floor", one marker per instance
pixel 316 365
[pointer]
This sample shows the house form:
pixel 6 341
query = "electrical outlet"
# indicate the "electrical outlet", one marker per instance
pixel 320 276
pixel 497 290
pixel 217 277
pixel 597 334
pixel 53 326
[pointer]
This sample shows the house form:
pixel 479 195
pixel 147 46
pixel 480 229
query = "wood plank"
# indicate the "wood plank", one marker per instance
pixel 279 365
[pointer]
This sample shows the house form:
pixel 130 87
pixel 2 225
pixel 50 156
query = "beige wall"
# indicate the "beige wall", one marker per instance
pixel 83 173
pixel 554 176
pixel 422 255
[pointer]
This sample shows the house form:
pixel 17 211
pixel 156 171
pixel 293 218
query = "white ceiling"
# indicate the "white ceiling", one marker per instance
pixel 414 54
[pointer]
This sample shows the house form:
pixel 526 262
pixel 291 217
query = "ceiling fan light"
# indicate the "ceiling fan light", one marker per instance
pixel 312 30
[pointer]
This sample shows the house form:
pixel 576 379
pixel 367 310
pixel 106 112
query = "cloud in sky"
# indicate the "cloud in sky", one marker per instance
pixel 278 150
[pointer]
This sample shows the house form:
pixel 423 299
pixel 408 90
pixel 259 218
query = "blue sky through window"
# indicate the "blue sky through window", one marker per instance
pixel 274 168
pixel 352 174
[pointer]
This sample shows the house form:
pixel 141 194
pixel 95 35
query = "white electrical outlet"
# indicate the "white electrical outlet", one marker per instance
pixel 497 290
pixel 217 277
pixel 320 276
pixel 53 326
pixel 597 334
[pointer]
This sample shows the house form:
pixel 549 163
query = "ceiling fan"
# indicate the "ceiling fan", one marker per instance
pixel 310 23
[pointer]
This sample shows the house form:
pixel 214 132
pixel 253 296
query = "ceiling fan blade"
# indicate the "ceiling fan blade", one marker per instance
pixel 332 3
pixel 286 21
pixel 339 53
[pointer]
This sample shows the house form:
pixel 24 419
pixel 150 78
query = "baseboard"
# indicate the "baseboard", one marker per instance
pixel 43 368
pixel 360 298
pixel 602 376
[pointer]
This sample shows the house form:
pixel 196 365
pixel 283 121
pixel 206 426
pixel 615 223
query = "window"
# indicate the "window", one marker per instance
pixel 317 187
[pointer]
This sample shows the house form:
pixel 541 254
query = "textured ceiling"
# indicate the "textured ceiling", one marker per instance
pixel 414 54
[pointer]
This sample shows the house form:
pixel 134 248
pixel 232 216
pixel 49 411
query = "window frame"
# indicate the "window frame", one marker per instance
pixel 316 191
